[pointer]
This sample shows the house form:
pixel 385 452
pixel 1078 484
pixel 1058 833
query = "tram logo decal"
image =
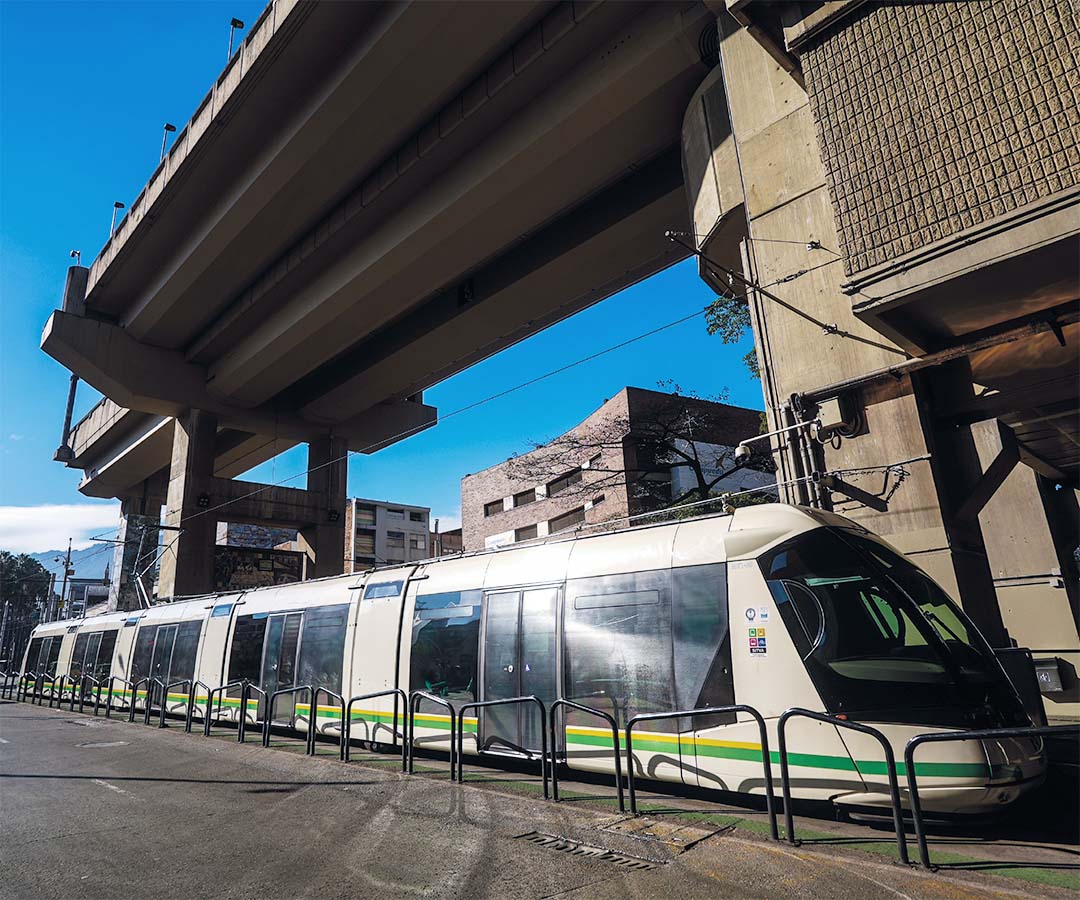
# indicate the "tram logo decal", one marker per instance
pixel 757 639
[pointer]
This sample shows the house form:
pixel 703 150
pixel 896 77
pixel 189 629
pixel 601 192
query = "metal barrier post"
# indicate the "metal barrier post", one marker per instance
pixel 890 765
pixel 20 691
pixel 942 736
pixel 414 702
pixel 245 695
pixel 191 704
pixel 109 699
pixel 219 690
pixel 135 696
pixel 552 719
pixel 52 689
pixel 693 714
pixel 397 693
pixel 150 697
pixel 313 724
pixel 165 700
pixel 509 700
pixel 269 717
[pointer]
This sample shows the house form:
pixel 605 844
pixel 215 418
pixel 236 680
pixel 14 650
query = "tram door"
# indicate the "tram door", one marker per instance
pixel 519 660
pixel 279 660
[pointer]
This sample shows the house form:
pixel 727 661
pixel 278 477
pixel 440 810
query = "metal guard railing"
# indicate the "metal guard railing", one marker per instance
pixel 191 704
pixel 616 749
pixel 397 694
pixel 487 704
pixel 943 736
pixel 313 721
pixel 269 717
pixel 693 714
pixel 890 764
pixel 219 690
pixel 414 702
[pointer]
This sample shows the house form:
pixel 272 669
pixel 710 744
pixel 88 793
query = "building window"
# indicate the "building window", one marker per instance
pixel 365 515
pixel 416 517
pixel 395 513
pixel 594 462
pixel 596 501
pixel 567 520
pixel 563 482
pixel 525 534
pixel 495 506
pixel 364 545
pixel 525 497
pixel 417 542
pixel 395 539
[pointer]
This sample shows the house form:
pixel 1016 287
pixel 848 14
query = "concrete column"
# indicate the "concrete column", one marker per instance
pixel 139 532
pixel 956 469
pixel 187 565
pixel 327 475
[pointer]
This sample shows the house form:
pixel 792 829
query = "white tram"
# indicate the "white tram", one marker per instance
pixel 773 606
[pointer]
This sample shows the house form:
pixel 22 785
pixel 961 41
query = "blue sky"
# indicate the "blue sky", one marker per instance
pixel 84 91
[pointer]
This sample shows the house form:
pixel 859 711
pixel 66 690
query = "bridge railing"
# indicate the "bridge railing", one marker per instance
pixel 508 701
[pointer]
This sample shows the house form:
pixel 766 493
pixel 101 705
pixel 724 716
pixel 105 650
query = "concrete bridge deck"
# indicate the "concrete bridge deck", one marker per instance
pixel 102 808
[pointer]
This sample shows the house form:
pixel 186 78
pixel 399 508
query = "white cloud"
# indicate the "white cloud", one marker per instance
pixel 16 437
pixel 447 521
pixel 34 529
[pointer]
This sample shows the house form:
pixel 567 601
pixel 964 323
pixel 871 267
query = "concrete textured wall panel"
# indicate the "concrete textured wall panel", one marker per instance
pixel 933 118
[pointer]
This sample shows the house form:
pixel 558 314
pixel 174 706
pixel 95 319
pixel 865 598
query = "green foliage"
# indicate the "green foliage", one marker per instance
pixel 22 578
pixel 729 318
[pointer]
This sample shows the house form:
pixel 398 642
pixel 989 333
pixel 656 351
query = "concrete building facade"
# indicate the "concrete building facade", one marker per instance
pixel 378 533
pixel 604 468
pixel 895 187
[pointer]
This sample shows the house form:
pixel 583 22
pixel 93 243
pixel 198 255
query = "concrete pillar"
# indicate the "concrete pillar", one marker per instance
pixel 956 469
pixel 139 534
pixel 187 565
pixel 327 475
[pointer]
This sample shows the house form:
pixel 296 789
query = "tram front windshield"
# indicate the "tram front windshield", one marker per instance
pixel 880 639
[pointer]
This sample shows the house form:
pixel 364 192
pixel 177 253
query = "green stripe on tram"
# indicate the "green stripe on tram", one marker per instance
pixel 667 743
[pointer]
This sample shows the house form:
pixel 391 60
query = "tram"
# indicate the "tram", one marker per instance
pixel 772 606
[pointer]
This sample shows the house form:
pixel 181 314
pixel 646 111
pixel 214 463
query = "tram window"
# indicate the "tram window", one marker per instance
pixel 383 589
pixel 144 652
pixel 445 639
pixel 322 646
pixel 702 651
pixel 32 654
pixel 185 647
pixel 245 654
pixel 619 649
pixel 54 654
pixel 102 666
pixel 78 656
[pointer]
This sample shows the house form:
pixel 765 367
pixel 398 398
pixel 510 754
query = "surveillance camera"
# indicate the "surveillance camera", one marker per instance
pixel 742 453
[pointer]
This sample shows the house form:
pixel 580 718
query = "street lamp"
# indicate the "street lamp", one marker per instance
pixel 112 227
pixel 233 26
pixel 169 129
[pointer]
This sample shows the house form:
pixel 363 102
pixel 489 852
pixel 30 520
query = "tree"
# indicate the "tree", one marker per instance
pixel 669 456
pixel 729 318
pixel 25 585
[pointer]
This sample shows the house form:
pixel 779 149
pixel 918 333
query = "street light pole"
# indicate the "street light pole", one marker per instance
pixel 116 205
pixel 233 26
pixel 167 130
pixel 63 590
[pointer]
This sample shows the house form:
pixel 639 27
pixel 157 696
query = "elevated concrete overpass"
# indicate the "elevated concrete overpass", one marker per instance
pixel 371 198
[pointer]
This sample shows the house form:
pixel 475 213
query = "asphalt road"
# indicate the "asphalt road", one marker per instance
pixel 106 809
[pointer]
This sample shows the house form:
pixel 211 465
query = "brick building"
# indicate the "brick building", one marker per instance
pixel 606 468
pixel 377 532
